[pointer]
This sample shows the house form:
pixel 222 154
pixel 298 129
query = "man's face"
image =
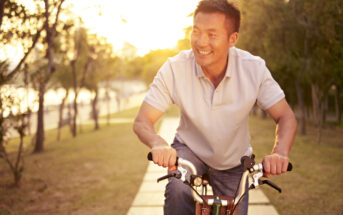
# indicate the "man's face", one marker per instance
pixel 210 39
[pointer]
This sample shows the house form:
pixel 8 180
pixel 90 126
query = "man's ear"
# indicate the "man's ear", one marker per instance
pixel 233 39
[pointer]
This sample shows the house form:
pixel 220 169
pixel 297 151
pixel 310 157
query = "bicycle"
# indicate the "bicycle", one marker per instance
pixel 219 205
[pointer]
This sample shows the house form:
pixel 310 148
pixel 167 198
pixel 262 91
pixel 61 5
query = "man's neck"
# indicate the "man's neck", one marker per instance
pixel 216 73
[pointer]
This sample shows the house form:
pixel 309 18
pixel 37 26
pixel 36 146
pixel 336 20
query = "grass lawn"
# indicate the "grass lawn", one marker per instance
pixel 99 172
pixel 315 186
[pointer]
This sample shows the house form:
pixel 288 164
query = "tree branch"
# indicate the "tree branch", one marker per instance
pixel 2 9
pixel 35 39
pixel 56 18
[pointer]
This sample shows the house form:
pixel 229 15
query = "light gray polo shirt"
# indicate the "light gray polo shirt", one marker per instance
pixel 214 121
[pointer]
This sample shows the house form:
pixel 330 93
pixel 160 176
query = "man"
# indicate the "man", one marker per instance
pixel 215 85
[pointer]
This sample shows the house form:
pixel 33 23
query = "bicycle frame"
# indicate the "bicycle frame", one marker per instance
pixel 215 204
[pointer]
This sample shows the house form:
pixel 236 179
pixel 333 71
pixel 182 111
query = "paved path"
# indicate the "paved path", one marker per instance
pixel 150 197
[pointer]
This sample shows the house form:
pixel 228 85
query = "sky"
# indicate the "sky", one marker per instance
pixel 148 24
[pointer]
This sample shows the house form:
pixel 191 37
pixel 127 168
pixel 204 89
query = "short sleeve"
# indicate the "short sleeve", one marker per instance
pixel 159 94
pixel 269 91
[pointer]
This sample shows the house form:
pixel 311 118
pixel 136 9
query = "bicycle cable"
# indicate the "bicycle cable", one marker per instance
pixel 187 183
pixel 240 199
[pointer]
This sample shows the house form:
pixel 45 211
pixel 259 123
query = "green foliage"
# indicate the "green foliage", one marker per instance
pixel 185 43
pixel 148 65
pixel 316 170
pixel 300 40
pixel 17 23
pixel 145 67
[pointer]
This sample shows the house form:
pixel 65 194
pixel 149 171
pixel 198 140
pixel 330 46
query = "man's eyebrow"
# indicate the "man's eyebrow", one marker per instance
pixel 208 29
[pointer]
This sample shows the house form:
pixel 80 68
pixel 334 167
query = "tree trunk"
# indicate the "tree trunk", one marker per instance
pixel 29 114
pixel 95 111
pixel 70 116
pixel 50 34
pixel 315 103
pixel 337 106
pixel 325 108
pixel 39 146
pixel 2 9
pixel 60 118
pixel 301 106
pixel 108 101
pixel 320 121
pixel 2 130
pixel 18 169
pixel 73 129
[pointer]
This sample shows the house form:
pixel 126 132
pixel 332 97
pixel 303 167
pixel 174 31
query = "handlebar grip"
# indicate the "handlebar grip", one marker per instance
pixel 289 167
pixel 150 158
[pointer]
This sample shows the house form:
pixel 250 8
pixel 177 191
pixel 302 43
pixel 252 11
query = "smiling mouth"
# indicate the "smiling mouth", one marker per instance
pixel 202 52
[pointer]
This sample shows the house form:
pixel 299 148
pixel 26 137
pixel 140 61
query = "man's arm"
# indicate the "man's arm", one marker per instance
pixel 162 153
pixel 286 125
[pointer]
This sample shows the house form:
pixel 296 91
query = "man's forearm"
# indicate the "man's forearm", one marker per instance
pixel 285 134
pixel 147 134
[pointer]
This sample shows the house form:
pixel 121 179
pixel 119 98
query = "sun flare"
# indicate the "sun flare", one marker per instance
pixel 148 25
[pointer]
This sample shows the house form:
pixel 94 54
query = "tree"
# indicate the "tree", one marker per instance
pixel 80 67
pixel 50 24
pixel 63 76
pixel 102 70
pixel 22 27
pixel 301 43
pixel 18 121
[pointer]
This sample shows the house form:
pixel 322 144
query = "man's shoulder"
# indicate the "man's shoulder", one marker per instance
pixel 245 56
pixel 178 64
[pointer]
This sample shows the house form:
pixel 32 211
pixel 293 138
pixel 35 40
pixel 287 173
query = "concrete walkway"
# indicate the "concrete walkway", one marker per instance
pixel 150 197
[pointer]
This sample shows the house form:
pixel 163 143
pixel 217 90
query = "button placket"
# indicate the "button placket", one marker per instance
pixel 217 96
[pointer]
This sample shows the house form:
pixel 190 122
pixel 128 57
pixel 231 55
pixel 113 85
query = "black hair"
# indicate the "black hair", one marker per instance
pixel 231 11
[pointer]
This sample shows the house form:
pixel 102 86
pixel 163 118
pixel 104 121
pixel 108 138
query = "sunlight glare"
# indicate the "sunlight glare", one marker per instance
pixel 148 25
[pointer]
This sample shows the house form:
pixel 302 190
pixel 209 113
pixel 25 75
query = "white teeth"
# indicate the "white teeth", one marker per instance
pixel 204 52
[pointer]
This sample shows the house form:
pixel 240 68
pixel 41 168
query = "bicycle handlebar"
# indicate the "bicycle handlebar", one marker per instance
pixel 249 166
pixel 248 163
pixel 245 160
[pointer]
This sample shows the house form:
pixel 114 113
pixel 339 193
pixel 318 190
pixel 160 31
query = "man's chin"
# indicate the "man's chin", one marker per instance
pixel 201 62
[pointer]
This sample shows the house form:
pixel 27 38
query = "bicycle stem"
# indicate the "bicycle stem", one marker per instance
pixel 193 170
pixel 242 187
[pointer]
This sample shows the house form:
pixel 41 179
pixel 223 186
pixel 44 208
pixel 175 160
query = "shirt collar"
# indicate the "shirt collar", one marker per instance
pixel 199 73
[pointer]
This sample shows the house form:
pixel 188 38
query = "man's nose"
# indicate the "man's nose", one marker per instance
pixel 202 40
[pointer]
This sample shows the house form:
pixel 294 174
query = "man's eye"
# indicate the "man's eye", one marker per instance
pixel 195 32
pixel 212 35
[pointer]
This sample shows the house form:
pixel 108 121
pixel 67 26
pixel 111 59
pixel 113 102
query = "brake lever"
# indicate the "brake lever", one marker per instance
pixel 176 174
pixel 272 185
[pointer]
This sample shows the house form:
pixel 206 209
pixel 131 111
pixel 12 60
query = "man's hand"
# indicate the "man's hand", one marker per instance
pixel 275 164
pixel 164 156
